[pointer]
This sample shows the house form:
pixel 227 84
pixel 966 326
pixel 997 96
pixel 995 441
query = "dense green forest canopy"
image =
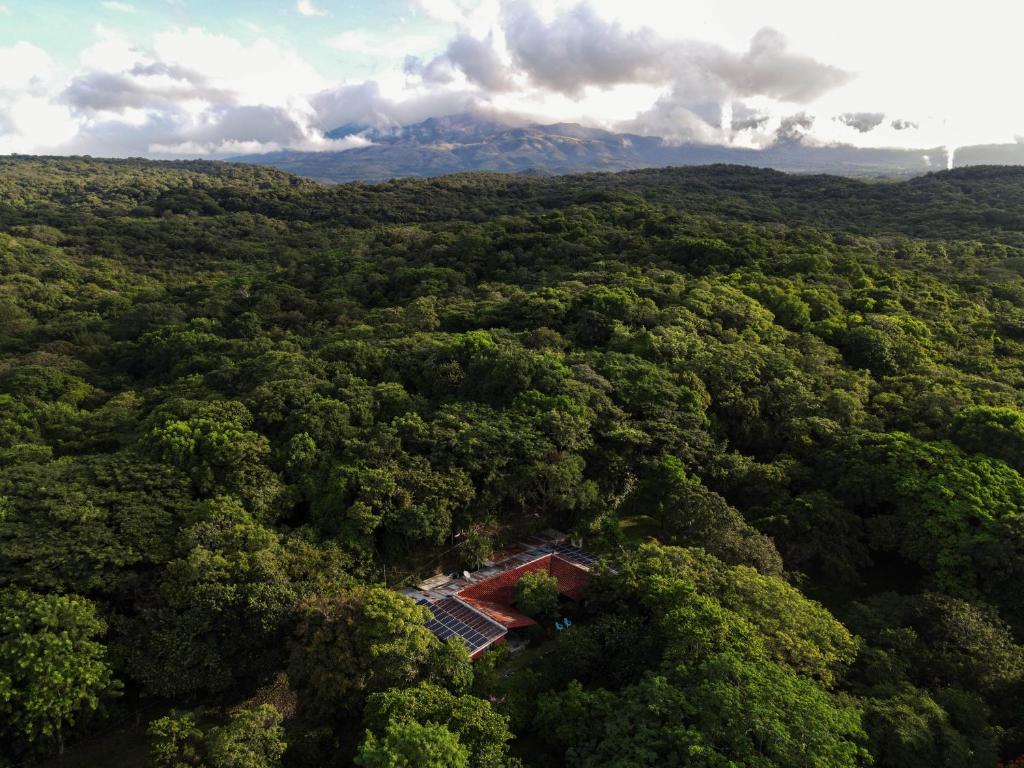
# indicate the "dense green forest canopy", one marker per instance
pixel 237 409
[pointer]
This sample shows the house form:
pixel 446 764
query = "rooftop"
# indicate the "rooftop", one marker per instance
pixel 479 606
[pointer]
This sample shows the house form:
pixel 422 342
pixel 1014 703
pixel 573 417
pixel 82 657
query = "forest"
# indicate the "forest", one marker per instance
pixel 239 410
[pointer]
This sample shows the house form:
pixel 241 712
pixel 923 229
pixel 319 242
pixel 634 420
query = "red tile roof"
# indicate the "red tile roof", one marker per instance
pixel 571 578
pixel 503 614
pixel 501 589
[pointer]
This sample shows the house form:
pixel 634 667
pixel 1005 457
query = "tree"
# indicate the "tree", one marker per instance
pixel 733 668
pixel 408 744
pixel 356 641
pixel 484 732
pixel 996 432
pixel 222 605
pixel 909 729
pixel 957 517
pixel 537 594
pixel 225 392
pixel 53 669
pixel 88 524
pixel 690 514
pixel 408 499
pixel 212 443
pixel 941 677
pixel 175 741
pixel 655 581
pixel 252 737
pixel 450 666
pixel 732 714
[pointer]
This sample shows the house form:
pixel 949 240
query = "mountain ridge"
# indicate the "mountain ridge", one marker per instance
pixel 470 142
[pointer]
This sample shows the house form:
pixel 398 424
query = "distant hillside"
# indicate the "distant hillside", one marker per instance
pixel 467 142
pixel 978 202
pixel 990 154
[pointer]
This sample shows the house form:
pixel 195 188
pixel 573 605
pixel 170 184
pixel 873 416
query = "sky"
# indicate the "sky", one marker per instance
pixel 194 78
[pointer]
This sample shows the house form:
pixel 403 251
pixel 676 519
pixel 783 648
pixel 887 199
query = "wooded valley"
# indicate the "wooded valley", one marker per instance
pixel 239 410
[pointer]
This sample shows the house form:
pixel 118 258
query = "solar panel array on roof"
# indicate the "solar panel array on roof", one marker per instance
pixel 452 617
pixel 575 555
pixel 521 557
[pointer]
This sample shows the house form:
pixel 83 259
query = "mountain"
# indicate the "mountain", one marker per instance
pixel 471 142
pixel 990 154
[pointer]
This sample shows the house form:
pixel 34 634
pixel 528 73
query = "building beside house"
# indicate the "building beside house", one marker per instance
pixel 480 608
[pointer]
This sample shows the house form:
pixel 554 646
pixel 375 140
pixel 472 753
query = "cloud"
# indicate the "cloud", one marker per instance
pixel 248 129
pixel 702 74
pixel 308 8
pixel 575 52
pixel 745 118
pixel 143 86
pixel 794 127
pixel 5 11
pixel 24 69
pixel 672 118
pixel 260 72
pixel 578 49
pixel 768 68
pixel 442 10
pixel 862 122
pixel 261 124
pixel 477 59
pixel 369 44
pixel 28 115
pixel 364 104
pixel 900 124
pixel 113 5
pixel 189 90
pixel 215 132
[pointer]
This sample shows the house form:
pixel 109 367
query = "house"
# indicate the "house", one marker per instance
pixel 480 608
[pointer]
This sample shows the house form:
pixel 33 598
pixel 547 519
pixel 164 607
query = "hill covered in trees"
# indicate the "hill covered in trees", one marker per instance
pixel 238 409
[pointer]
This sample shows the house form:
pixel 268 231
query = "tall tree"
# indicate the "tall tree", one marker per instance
pixel 408 744
pixel 53 668
pixel 355 641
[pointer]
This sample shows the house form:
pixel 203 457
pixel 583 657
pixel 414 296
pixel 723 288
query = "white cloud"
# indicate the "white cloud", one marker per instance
pixel 114 5
pixel 308 8
pixel 702 70
pixel 28 116
pixel 367 104
pixel 188 92
pixel 479 60
pixel 110 52
pixel 24 67
pixel 475 17
pixel 578 48
pixel 228 147
pixel 442 10
pixel 392 46
pixel 541 53
pixel 5 11
pixel 195 91
pixel 260 72
pixel 862 122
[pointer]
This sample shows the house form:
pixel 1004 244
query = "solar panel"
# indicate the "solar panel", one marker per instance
pixel 453 618
pixel 575 555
